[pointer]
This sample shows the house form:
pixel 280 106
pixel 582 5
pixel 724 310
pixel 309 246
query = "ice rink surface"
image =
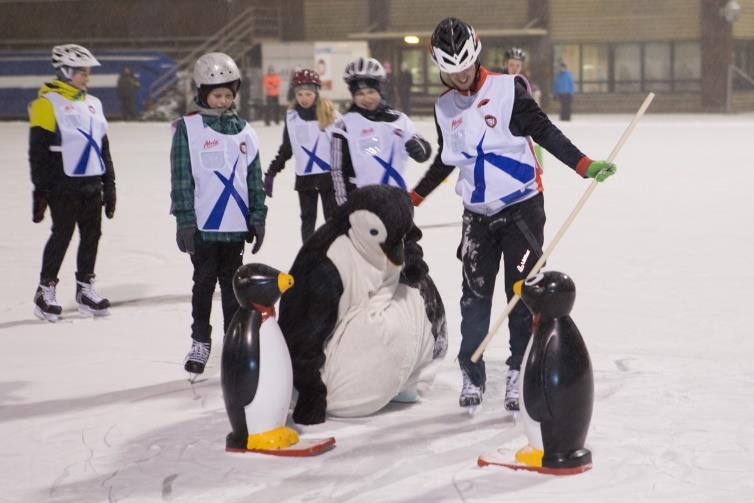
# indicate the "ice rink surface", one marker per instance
pixel 662 257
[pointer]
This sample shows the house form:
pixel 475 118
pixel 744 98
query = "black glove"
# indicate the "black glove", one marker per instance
pixel 185 239
pixel 39 206
pixel 310 408
pixel 255 231
pixel 418 149
pixel 269 177
pixel 109 202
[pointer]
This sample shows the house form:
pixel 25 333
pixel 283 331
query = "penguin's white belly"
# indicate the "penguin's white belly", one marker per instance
pixel 532 427
pixel 269 408
pixel 376 349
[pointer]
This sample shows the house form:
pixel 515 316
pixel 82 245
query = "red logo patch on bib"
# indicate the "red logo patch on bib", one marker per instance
pixel 490 120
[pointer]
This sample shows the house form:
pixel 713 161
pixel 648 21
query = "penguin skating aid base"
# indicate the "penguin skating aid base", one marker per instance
pixel 303 448
pixel 506 459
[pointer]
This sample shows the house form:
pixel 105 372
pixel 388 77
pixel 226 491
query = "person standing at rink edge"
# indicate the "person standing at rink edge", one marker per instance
pixel 485 124
pixel 372 142
pixel 306 137
pixel 217 195
pixel 73 174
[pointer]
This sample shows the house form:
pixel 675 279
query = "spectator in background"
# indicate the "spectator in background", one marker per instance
pixel 405 82
pixel 563 90
pixel 271 85
pixel 127 88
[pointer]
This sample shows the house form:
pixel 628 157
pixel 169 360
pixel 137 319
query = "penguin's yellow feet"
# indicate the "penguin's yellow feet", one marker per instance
pixel 279 438
pixel 530 456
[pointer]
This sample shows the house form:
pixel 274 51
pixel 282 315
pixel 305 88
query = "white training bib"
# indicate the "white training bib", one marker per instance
pixel 496 168
pixel 219 165
pixel 82 126
pixel 310 145
pixel 378 149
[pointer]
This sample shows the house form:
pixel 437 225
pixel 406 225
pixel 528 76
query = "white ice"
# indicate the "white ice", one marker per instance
pixel 662 256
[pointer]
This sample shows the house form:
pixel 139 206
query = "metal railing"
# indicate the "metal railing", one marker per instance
pixel 734 71
pixel 235 39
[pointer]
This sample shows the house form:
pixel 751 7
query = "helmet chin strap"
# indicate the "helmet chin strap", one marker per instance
pixel 65 73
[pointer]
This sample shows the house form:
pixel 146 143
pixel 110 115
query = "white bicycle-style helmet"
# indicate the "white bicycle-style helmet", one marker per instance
pixel 215 68
pixel 364 69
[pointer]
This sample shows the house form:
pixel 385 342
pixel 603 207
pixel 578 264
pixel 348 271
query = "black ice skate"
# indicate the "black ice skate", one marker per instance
pixel 46 306
pixel 511 390
pixel 90 303
pixel 197 357
pixel 471 394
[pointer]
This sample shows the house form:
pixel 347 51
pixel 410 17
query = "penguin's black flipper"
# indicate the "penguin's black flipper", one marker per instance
pixel 308 314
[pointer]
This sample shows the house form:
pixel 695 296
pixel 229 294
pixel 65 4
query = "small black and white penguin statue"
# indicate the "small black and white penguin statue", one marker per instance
pixel 365 324
pixel 256 373
pixel 556 382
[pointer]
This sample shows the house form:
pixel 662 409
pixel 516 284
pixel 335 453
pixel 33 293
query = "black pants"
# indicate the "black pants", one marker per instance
pixel 67 211
pixel 308 201
pixel 565 106
pixel 214 261
pixel 516 234
pixel 271 110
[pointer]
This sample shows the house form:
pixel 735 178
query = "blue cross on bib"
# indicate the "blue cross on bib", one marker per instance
pixel 390 171
pixel 524 173
pixel 91 144
pixel 314 159
pixel 215 217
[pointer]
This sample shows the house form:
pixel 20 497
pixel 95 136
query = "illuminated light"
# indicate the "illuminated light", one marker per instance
pixel 411 39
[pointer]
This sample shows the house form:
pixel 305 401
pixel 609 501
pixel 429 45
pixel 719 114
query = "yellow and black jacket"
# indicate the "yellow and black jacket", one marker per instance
pixel 47 173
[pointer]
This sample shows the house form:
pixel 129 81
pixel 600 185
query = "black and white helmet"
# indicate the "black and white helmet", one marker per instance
pixel 515 53
pixel 364 69
pixel 215 68
pixel 455 45
pixel 72 56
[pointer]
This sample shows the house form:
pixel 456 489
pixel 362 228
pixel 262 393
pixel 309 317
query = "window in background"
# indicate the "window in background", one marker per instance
pixel 657 67
pixel 594 68
pixel 627 68
pixel 570 54
pixel 687 66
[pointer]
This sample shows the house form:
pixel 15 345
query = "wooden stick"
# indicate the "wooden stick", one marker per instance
pixel 643 108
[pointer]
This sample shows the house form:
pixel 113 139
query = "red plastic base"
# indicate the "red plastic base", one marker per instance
pixel 495 459
pixel 304 447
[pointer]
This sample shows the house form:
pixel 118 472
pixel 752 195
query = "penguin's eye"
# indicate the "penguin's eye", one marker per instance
pixel 534 279
pixel 373 232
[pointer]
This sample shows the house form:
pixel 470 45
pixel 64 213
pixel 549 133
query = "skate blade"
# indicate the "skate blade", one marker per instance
pixel 45 316
pixel 473 409
pixel 195 378
pixel 94 313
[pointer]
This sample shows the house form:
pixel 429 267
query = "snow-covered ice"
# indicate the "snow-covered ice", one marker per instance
pixel 100 410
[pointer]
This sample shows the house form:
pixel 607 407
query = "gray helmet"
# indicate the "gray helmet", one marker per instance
pixel 215 68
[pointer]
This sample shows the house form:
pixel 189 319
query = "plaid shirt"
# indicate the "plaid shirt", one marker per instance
pixel 182 179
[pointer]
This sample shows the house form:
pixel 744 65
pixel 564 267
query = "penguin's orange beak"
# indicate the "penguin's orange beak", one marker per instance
pixel 517 287
pixel 285 281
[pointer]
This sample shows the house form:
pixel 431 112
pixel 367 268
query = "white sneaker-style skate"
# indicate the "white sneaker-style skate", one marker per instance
pixel 46 305
pixel 511 390
pixel 471 394
pixel 91 303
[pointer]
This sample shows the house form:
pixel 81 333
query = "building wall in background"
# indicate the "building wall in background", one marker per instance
pixel 335 19
pixel 744 27
pixel 425 14
pixel 624 20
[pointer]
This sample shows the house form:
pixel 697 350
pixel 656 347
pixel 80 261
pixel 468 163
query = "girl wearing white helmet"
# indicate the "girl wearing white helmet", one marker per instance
pixel 73 174
pixel 485 125
pixel 217 195
pixel 372 142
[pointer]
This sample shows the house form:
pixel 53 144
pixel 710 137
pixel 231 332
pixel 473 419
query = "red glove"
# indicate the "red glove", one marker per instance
pixel 416 199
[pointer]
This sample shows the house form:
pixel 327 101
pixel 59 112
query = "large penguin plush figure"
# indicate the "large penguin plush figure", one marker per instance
pixel 256 378
pixel 365 324
pixel 557 383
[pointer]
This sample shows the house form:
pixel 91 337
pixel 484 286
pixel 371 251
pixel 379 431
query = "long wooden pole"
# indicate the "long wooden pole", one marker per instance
pixel 632 125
